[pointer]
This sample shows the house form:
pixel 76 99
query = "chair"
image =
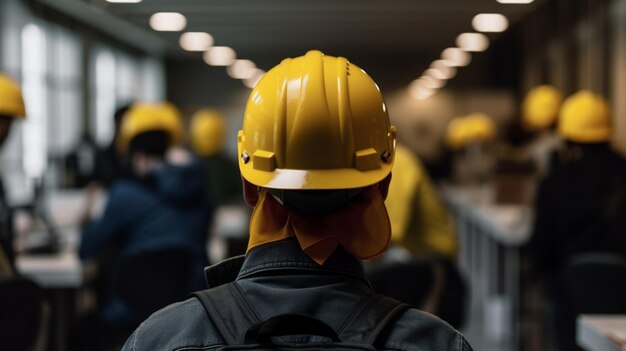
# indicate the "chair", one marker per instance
pixel 150 281
pixel 21 311
pixel 592 283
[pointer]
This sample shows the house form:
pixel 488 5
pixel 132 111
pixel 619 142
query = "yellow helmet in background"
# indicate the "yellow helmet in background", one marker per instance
pixel 473 128
pixel 149 117
pixel 207 132
pixel 316 122
pixel 540 107
pixel 585 118
pixel 11 101
pixel 174 120
pixel 456 133
pixel 482 128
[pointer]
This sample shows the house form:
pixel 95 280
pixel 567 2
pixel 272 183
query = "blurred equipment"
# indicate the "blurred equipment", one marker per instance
pixel 585 118
pixel 540 107
pixel 51 243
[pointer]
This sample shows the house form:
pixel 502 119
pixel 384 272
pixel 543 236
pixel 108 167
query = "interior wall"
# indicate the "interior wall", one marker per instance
pixel 52 57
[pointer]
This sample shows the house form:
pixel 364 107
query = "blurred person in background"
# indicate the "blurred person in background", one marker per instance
pixel 207 134
pixel 109 163
pixel 163 207
pixel 581 203
pixel 11 108
pixel 469 137
pixel 540 110
pixel 315 156
pixel 424 272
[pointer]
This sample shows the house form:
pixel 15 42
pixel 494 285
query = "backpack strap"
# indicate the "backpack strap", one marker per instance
pixel 229 310
pixel 370 318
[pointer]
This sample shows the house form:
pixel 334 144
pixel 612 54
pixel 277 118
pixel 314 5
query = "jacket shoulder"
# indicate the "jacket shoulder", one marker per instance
pixel 180 326
pixel 418 330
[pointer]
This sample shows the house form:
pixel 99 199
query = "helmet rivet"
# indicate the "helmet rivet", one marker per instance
pixel 386 156
pixel 245 157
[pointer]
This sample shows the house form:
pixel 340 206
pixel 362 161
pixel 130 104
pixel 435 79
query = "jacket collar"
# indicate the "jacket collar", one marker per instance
pixel 280 257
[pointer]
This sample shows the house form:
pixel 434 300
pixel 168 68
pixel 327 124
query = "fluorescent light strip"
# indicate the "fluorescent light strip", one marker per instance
pixel 490 23
pixel 168 22
pixel 515 1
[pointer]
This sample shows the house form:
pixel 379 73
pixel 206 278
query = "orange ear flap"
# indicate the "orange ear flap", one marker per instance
pixel 250 192
pixel 383 186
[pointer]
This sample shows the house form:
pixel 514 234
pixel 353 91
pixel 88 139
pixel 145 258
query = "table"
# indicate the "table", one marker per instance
pixel 60 274
pixel 601 332
pixel 490 235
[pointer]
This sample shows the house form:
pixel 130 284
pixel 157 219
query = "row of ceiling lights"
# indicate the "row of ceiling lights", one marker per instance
pixel 444 68
pixel 225 56
pixel 435 77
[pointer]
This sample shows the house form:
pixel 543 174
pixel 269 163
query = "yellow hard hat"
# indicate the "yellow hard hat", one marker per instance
pixel 316 122
pixel 147 117
pixel 456 133
pixel 482 128
pixel 540 107
pixel 473 128
pixel 585 118
pixel 174 121
pixel 208 131
pixel 11 101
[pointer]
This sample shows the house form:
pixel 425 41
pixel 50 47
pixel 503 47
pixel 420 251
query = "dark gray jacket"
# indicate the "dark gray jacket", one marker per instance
pixel 279 278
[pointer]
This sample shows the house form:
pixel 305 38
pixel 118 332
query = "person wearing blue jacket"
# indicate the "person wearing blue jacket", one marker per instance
pixel 163 207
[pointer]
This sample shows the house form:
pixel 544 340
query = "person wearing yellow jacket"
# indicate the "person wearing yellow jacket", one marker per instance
pixel 419 220
pixel 422 227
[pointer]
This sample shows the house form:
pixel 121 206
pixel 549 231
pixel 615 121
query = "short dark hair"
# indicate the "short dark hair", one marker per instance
pixel 120 112
pixel 153 143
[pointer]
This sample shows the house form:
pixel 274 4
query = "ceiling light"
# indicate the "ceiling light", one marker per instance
pixel 456 57
pixel 490 22
pixel 420 92
pixel 435 73
pixel 432 82
pixel 220 56
pixel 196 41
pixel 168 22
pixel 254 78
pixel 515 1
pixel 124 1
pixel 473 42
pixel 442 66
pixel 241 69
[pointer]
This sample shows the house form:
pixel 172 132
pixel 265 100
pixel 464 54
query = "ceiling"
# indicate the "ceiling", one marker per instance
pixel 270 29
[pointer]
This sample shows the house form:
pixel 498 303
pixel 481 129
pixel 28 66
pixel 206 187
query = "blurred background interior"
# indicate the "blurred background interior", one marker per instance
pixel 510 116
